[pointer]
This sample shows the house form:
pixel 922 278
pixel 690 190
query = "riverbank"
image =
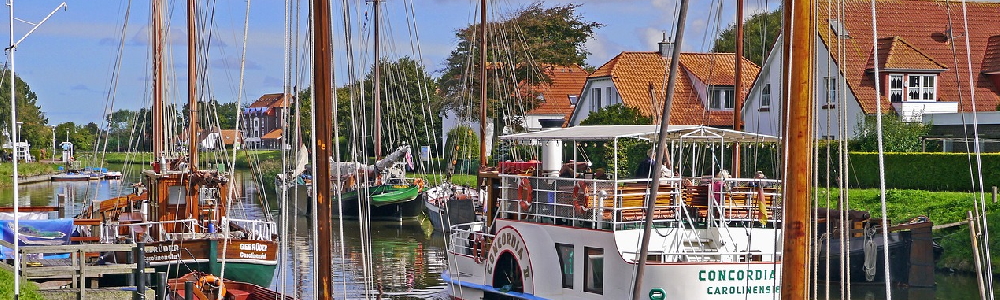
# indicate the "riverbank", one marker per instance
pixel 30 171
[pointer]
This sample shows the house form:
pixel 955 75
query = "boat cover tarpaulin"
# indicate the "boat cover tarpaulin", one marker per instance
pixel 38 232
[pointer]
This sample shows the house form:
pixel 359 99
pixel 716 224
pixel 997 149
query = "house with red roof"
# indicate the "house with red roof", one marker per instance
pixel 920 57
pixel 557 97
pixel 703 95
pixel 262 121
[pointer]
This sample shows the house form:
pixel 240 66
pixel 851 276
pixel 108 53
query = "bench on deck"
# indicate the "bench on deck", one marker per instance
pixel 632 197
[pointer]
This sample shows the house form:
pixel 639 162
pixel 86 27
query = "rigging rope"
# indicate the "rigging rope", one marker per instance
pixel 881 153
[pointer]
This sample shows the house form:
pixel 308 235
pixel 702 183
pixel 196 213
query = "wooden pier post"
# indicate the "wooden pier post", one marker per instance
pixel 975 256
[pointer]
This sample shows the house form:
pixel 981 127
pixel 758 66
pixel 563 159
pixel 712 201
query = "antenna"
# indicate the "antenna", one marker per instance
pixel 14 132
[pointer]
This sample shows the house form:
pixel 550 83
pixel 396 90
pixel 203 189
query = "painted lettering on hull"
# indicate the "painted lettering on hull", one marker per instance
pixel 744 277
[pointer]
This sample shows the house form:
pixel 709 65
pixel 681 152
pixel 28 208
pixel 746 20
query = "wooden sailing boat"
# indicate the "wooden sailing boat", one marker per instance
pixel 183 217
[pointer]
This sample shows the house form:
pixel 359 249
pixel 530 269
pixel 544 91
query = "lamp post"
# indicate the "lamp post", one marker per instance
pixel 53 143
pixel 17 141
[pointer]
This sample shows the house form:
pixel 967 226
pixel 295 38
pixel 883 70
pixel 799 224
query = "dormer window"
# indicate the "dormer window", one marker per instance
pixel 912 87
pixel 573 99
pixel 721 98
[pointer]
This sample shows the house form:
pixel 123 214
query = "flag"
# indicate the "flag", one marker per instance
pixel 761 206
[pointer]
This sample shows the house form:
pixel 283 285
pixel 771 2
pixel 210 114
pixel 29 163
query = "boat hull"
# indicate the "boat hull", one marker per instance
pixel 911 258
pixel 386 203
pixel 251 261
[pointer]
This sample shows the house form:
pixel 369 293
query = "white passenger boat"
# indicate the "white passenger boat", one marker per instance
pixel 579 238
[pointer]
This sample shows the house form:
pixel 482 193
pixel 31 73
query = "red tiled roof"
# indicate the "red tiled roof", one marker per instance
pixel 270 100
pixel 564 81
pixel 273 135
pixel 895 53
pixel 923 24
pixel 229 136
pixel 991 62
pixel 633 72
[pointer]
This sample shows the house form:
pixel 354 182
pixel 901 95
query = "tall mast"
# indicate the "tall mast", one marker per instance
pixel 798 48
pixel 322 79
pixel 738 86
pixel 378 85
pixel 157 39
pixel 192 89
pixel 482 83
pixel 661 144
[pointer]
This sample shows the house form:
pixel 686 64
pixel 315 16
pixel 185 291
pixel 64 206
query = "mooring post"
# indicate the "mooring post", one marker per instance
pixel 994 194
pixel 161 285
pixel 140 268
pixel 189 290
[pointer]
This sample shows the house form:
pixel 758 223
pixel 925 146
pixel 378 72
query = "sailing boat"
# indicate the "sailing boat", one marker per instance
pixel 183 215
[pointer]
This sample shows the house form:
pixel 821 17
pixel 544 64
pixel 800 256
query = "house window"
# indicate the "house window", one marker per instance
pixel 593 281
pixel 722 98
pixel 573 98
pixel 831 89
pixel 765 96
pixel 612 95
pixel 565 252
pixel 595 104
pixel 896 88
pixel 921 87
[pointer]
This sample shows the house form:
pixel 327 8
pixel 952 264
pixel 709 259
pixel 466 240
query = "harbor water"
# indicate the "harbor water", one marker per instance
pixel 404 259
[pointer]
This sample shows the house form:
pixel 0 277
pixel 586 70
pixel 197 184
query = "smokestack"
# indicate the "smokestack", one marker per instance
pixel 666 46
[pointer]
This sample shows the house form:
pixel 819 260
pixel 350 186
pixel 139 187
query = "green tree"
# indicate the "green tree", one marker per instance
pixel 34 125
pixel 533 36
pixel 759 34
pixel 897 136
pixel 224 112
pixel 617 114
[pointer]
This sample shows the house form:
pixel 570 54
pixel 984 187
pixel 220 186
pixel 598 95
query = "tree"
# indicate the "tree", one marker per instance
pixel 617 114
pixel 759 34
pixel 897 136
pixel 535 36
pixel 34 125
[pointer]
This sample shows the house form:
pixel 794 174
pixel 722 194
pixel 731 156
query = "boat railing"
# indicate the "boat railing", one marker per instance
pixel 252 229
pixel 705 256
pixel 621 204
pixel 139 232
pixel 470 239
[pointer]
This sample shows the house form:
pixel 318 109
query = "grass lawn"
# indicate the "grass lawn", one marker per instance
pixel 25 170
pixel 29 291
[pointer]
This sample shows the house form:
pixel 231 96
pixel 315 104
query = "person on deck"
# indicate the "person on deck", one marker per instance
pixel 600 174
pixel 719 186
pixel 645 168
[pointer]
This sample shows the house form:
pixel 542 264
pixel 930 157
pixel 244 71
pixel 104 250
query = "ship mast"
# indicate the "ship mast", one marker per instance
pixel 738 86
pixel 192 88
pixel 158 81
pixel 322 91
pixel 378 84
pixel 482 84
pixel 798 48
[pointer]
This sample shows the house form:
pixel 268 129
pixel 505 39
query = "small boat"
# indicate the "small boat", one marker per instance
pixel 390 194
pixel 448 203
pixel 912 252
pixel 208 287
pixel 112 175
pixel 71 176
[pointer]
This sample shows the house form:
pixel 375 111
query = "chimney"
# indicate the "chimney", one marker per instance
pixel 666 46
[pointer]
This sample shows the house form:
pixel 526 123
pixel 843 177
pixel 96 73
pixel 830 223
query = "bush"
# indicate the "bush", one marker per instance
pixel 921 171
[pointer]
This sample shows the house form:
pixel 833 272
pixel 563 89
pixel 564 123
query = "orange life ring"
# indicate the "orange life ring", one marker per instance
pixel 525 192
pixel 419 182
pixel 211 279
pixel 580 191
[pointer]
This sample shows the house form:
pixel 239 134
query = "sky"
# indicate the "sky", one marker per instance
pixel 93 56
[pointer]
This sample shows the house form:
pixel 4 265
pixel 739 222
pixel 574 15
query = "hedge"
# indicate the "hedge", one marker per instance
pixel 920 170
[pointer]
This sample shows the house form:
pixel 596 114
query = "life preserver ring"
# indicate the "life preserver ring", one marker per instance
pixel 525 192
pixel 479 247
pixel 215 283
pixel 419 182
pixel 580 191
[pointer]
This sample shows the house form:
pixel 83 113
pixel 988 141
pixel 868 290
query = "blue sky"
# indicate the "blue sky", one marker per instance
pixel 69 61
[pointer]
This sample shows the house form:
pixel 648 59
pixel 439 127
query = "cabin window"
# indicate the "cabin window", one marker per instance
pixel 176 194
pixel 595 103
pixel 896 88
pixel 921 87
pixel 831 90
pixel 722 98
pixel 593 282
pixel 565 252
pixel 765 96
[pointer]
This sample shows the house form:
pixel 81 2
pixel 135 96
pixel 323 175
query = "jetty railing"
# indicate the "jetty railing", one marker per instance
pixel 76 267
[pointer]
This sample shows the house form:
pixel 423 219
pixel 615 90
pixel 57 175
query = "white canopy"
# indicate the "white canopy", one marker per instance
pixel 647 132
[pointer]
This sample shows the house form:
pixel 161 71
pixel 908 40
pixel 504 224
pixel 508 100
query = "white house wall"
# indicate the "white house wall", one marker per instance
pixel 583 106
pixel 768 121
